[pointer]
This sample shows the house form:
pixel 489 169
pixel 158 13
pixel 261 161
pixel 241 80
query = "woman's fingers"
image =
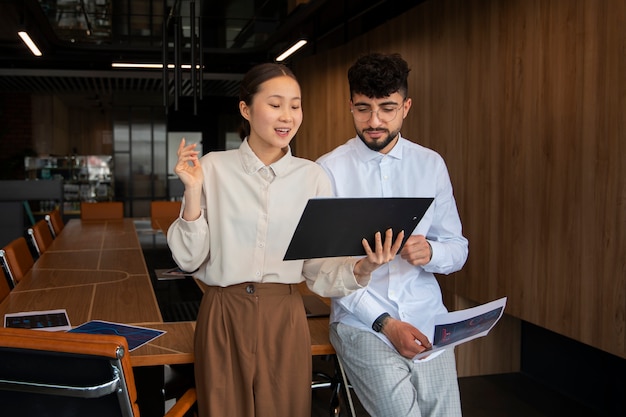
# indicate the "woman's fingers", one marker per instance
pixel 397 244
pixel 186 154
pixel 383 253
pixel 181 146
pixel 385 250
pixel 368 249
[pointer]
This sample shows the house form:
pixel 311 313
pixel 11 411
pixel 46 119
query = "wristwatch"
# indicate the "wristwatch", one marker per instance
pixel 379 323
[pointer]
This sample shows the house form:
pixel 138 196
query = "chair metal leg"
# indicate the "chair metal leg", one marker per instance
pixel 340 389
pixel 340 386
pixel 346 386
pixel 334 406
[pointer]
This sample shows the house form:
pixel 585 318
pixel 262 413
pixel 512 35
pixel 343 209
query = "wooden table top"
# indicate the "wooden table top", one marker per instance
pixel 318 327
pixel 95 270
pixel 163 223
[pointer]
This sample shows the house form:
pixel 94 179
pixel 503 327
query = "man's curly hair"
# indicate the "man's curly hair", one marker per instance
pixel 377 75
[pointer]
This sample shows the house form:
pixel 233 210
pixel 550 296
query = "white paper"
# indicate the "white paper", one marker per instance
pixel 461 326
pixel 171 274
pixel 48 320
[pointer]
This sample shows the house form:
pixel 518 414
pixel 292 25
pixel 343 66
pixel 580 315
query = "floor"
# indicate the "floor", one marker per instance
pixel 505 395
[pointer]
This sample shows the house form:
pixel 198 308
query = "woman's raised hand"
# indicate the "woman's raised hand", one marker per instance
pixel 382 253
pixel 188 166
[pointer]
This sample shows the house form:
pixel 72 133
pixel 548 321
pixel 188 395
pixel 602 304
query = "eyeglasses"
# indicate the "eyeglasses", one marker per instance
pixel 385 114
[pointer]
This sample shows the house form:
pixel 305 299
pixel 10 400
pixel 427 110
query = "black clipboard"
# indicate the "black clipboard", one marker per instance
pixel 332 227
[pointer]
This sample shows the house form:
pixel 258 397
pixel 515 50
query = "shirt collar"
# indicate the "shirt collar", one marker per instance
pixel 366 154
pixel 252 164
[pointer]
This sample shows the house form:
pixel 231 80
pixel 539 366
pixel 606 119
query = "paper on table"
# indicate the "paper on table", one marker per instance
pixel 171 273
pixel 461 326
pixel 48 320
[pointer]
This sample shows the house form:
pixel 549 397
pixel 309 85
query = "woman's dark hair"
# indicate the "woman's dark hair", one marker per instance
pixel 377 75
pixel 250 83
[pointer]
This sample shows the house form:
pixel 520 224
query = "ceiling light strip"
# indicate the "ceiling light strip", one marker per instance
pixel 29 42
pixel 148 65
pixel 291 50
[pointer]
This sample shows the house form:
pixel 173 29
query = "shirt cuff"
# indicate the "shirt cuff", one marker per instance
pixel 353 284
pixel 191 226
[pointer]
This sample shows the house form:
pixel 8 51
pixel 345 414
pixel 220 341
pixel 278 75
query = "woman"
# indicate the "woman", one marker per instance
pixel 240 208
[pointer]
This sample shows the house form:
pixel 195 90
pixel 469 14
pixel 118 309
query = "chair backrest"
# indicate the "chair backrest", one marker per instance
pixel 106 210
pixel 59 373
pixel 163 209
pixel 41 236
pixel 5 288
pixel 17 259
pixel 55 222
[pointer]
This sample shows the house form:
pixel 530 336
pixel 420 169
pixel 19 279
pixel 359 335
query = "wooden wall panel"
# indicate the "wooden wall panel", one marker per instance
pixel 50 125
pixel 525 101
pixel 91 132
pixel 497 353
pixel 62 130
pixel 326 110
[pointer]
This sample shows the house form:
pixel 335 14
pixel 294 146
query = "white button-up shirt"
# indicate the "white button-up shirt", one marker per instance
pixel 406 292
pixel 249 213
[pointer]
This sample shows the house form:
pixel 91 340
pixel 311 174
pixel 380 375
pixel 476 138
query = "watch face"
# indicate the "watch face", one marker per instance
pixel 377 326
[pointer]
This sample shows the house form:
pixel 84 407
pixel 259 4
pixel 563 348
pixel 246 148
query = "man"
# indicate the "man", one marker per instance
pixel 378 330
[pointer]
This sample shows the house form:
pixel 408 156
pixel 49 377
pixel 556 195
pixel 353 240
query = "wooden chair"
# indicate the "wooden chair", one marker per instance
pixel 62 374
pixel 55 222
pixel 105 210
pixel 5 288
pixel 17 259
pixel 163 213
pixel 40 236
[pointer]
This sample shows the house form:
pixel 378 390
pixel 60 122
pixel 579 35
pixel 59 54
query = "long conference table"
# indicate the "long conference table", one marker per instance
pixel 95 270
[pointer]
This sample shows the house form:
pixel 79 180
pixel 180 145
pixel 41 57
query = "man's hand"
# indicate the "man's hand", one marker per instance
pixel 416 251
pixel 407 340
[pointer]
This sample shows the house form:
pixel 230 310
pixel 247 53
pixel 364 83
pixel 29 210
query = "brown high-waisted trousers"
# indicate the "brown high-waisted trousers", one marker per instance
pixel 253 352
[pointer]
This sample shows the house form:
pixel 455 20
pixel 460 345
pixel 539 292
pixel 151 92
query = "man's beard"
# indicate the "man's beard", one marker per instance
pixel 379 144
